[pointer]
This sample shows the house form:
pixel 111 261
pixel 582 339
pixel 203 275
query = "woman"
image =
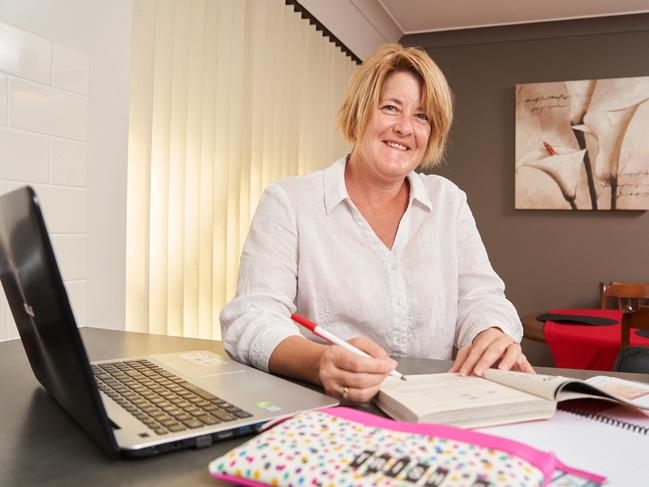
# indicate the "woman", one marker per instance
pixel 381 256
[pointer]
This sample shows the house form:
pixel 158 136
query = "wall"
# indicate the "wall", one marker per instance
pixel 546 258
pixel 43 133
pixel 90 221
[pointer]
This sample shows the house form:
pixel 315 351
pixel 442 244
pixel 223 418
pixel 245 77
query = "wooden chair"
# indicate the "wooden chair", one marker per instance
pixel 631 297
pixel 625 295
pixel 632 359
pixel 637 318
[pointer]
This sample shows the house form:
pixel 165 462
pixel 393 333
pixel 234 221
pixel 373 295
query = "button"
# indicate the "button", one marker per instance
pixel 192 423
pixel 223 415
pixel 208 419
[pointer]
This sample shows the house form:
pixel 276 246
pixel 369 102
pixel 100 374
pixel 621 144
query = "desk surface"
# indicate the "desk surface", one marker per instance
pixel 40 444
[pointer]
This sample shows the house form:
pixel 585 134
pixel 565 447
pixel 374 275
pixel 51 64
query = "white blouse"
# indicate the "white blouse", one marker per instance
pixel 310 250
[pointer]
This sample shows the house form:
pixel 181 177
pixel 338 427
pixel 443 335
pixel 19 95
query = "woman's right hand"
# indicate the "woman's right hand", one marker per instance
pixel 354 378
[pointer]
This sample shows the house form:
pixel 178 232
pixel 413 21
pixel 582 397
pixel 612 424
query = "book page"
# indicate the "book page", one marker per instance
pixel 544 386
pixel 430 393
pixel 560 388
pixel 608 388
pixel 636 393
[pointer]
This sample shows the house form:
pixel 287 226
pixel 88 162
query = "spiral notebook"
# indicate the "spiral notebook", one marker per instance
pixel 609 440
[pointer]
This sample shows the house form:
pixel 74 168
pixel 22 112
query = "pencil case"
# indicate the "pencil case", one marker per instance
pixel 343 446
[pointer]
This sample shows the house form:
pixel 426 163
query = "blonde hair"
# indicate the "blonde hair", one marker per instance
pixel 364 90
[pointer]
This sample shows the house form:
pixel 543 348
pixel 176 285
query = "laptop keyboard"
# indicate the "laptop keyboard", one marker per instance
pixel 164 402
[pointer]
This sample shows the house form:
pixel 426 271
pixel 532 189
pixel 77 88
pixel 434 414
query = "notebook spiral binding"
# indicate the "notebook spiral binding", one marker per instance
pixel 602 418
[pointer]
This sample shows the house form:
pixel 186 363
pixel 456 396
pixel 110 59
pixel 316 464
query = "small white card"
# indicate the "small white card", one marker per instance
pixel 204 359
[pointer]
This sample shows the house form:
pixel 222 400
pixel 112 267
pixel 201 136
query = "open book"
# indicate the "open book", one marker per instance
pixel 500 397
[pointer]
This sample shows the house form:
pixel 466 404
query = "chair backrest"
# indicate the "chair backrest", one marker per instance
pixel 637 318
pixel 625 294
pixel 632 359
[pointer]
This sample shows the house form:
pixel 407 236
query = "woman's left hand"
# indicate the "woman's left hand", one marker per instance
pixel 489 347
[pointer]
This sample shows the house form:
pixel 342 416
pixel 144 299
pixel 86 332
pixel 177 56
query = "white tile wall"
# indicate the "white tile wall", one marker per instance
pixel 64 209
pixel 7 324
pixel 68 163
pixel 25 156
pixel 24 54
pixel 39 108
pixel 43 133
pixel 77 295
pixel 3 100
pixel 69 69
pixel 70 252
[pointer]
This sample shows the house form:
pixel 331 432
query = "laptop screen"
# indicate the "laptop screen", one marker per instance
pixel 40 307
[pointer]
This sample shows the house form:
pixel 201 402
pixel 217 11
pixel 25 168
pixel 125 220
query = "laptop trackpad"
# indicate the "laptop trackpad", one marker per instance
pixel 228 379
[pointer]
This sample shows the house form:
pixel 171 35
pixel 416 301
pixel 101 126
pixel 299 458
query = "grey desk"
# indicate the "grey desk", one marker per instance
pixel 41 445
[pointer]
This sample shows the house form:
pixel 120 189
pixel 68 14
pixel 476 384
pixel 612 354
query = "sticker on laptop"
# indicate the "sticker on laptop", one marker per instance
pixel 204 359
pixel 268 406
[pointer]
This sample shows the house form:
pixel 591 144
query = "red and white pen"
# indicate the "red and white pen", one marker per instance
pixel 330 337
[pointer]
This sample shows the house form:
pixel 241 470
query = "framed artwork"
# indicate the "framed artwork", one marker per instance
pixel 583 145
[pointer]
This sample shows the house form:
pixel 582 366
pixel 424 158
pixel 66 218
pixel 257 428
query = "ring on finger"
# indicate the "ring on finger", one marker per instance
pixel 345 393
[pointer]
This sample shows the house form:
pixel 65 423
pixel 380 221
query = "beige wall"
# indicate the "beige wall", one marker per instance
pixel 546 258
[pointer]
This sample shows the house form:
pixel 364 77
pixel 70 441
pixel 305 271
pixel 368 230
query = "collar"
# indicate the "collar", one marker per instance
pixel 418 190
pixel 335 190
pixel 334 184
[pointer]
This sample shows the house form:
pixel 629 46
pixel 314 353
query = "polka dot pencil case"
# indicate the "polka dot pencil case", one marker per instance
pixel 345 447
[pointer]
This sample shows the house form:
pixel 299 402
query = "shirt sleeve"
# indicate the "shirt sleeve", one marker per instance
pixel 258 318
pixel 481 293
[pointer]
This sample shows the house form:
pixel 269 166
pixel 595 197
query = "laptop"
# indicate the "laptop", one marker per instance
pixel 133 407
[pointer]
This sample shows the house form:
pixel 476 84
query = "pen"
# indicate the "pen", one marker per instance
pixel 330 337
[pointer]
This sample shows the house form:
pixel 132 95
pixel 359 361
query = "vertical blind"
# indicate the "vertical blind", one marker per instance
pixel 226 96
